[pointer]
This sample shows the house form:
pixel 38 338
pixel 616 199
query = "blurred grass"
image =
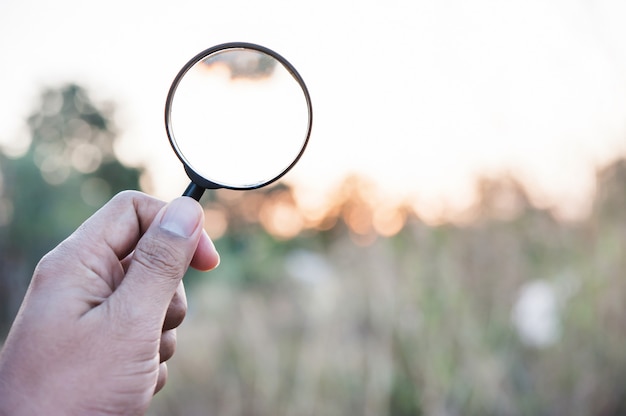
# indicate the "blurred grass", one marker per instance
pixel 333 323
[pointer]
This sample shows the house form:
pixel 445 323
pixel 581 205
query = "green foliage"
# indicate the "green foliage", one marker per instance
pixel 68 171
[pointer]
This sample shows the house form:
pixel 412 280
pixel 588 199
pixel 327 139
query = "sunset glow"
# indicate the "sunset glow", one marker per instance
pixel 437 96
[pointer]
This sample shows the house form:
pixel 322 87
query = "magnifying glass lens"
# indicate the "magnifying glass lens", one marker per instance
pixel 238 117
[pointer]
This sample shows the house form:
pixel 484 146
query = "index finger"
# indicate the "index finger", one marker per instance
pixel 121 222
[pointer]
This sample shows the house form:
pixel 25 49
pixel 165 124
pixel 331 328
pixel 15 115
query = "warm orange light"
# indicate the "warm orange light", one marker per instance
pixel 215 222
pixel 280 217
pixel 388 221
pixel 359 218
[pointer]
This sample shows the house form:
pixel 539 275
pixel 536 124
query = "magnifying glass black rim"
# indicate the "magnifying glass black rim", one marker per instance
pixel 195 177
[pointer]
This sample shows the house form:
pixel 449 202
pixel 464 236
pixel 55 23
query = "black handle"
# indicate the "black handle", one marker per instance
pixel 194 191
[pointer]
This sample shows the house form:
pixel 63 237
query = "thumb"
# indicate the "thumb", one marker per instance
pixel 159 262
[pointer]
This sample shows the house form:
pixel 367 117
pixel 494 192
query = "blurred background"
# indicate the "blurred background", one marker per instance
pixel 453 242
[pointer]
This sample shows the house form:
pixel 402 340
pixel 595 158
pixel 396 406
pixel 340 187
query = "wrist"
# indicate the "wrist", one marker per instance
pixel 13 401
pixel 17 397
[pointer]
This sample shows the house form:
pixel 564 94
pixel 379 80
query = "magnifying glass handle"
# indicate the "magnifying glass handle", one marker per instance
pixel 194 191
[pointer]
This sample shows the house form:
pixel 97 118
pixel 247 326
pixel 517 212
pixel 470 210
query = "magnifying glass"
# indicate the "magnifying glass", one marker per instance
pixel 238 116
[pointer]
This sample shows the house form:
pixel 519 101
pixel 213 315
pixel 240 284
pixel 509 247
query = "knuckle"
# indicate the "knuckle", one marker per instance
pixel 50 267
pixel 176 313
pixel 126 195
pixel 43 271
pixel 128 198
pixel 160 258
pixel 167 347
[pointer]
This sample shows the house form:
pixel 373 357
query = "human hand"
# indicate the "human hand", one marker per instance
pixel 98 321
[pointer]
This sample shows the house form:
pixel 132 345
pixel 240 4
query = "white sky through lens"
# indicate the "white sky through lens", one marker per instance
pixel 239 131
pixel 419 95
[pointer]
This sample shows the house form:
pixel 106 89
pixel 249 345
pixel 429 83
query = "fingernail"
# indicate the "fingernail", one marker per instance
pixel 181 217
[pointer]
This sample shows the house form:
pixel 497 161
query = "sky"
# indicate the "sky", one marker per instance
pixel 420 96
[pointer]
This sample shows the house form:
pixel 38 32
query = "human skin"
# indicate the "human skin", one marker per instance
pixel 99 319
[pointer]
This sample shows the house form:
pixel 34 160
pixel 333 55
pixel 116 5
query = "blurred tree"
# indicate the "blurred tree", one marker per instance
pixel 68 171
